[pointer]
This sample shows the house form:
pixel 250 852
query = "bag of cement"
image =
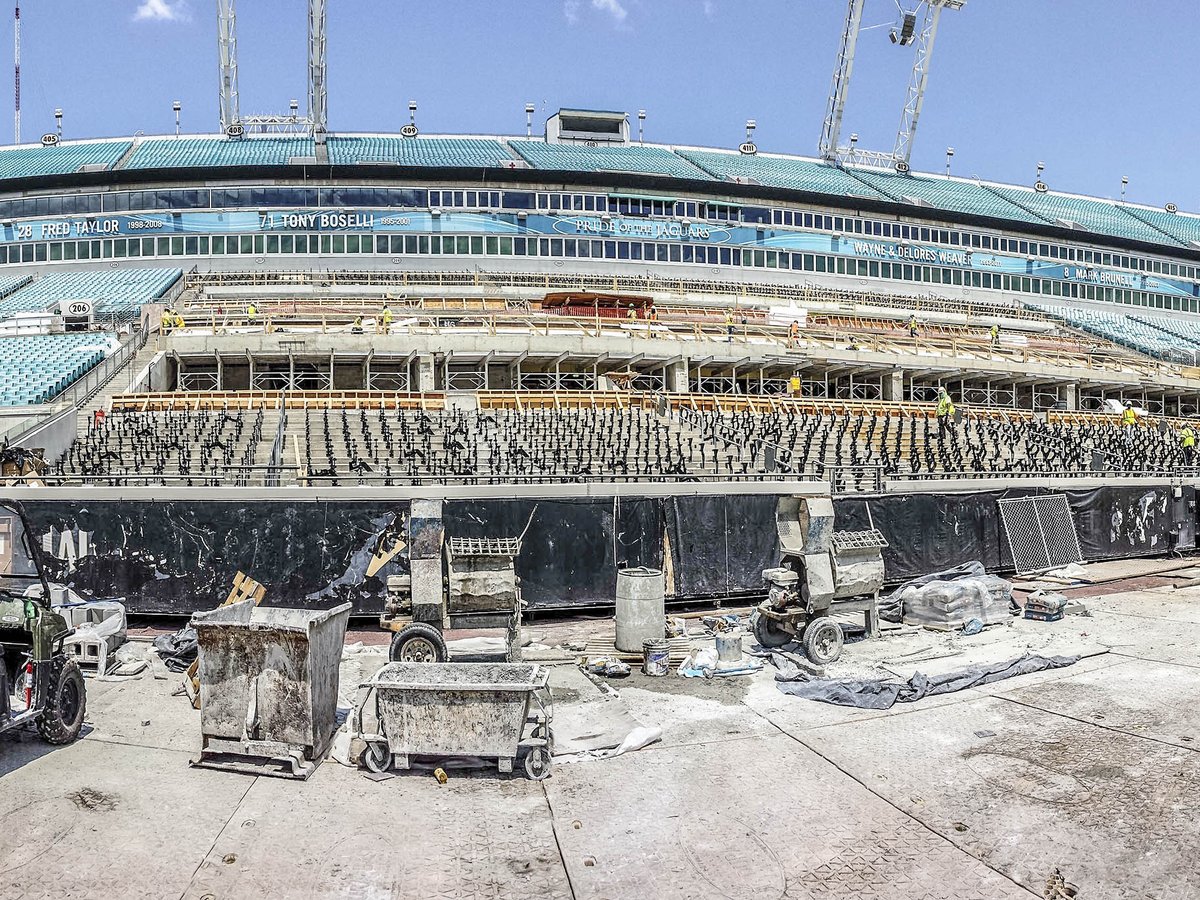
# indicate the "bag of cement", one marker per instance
pixel 891 608
pixel 951 604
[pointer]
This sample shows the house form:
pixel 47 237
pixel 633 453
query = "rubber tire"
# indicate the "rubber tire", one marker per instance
pixel 423 632
pixel 767 633
pixel 819 632
pixel 537 764
pixel 52 726
pixel 377 757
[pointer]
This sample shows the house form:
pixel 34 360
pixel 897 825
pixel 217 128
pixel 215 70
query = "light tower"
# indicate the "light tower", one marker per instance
pixel 17 74
pixel 227 57
pixel 919 26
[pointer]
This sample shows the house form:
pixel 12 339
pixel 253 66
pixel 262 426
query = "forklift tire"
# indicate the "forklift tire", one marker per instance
pixel 768 633
pixel 62 719
pixel 823 641
pixel 418 642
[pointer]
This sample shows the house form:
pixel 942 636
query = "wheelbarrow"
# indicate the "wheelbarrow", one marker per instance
pixel 500 711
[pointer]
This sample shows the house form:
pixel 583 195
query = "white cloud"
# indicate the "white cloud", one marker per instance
pixel 613 8
pixel 162 11
pixel 571 11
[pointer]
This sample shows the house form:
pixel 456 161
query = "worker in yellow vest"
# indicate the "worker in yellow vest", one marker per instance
pixel 166 321
pixel 1129 418
pixel 1187 440
pixel 945 412
pixel 995 333
pixel 387 318
pixel 794 385
pixel 251 312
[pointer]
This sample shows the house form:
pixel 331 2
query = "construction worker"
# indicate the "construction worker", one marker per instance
pixel 177 321
pixel 945 411
pixel 912 325
pixel 631 313
pixel 794 385
pixel 728 327
pixel 166 320
pixel 356 328
pixel 1187 440
pixel 794 334
pixel 387 319
pixel 995 333
pixel 1129 418
pixel 251 313
pixel 652 315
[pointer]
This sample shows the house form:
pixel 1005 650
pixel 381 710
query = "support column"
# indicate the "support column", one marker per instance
pixel 677 377
pixel 893 385
pixel 426 383
pixel 1070 395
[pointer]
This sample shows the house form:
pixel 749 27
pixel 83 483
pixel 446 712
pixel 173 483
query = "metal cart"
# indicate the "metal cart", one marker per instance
pixel 492 710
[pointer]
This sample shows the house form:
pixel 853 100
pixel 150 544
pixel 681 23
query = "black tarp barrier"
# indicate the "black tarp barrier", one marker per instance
pixel 571 551
pixel 179 556
pixel 928 532
pixel 721 544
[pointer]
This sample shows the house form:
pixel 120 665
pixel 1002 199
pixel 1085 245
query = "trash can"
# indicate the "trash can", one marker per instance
pixel 268 686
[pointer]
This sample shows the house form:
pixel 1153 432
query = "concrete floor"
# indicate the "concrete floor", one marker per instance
pixel 1091 769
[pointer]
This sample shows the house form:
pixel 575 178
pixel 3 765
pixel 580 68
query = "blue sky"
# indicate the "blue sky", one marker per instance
pixel 1097 89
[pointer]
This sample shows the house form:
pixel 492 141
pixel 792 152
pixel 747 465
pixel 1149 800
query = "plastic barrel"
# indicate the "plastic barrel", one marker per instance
pixel 641 608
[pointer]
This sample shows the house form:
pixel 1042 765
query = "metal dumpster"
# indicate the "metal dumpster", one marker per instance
pixel 268 686
pixel 495 710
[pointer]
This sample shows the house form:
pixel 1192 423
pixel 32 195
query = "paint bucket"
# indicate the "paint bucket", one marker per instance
pixel 729 649
pixel 656 658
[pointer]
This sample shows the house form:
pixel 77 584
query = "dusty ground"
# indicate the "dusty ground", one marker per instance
pixel 1091 769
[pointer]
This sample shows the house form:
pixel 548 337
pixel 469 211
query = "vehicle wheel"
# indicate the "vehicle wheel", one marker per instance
pixel 823 640
pixel 537 764
pixel 418 643
pixel 377 757
pixel 768 632
pixel 62 719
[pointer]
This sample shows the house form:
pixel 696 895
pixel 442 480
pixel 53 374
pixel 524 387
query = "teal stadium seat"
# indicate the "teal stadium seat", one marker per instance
pixel 783 172
pixel 944 193
pixel 63 159
pixel 185 152
pixel 37 368
pixel 1127 331
pixel 117 294
pixel 626 158
pixel 419 151
pixel 1097 216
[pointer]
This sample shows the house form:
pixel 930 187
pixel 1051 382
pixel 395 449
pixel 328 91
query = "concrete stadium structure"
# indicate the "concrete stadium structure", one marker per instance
pixel 394 311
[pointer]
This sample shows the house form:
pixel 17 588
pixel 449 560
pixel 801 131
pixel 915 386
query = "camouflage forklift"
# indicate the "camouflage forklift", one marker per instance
pixel 40 684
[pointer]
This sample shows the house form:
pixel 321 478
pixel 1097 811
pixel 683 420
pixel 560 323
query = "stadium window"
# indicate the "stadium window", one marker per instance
pixel 106 250
pixel 245 244
pixel 756 215
pixel 635 250
pixel 725 256
pixel 519 248
pixel 556 247
pixel 39 252
pixel 688 253
pixel 352 242
pixel 675 253
pixel 119 249
pixel 396 243
pixel 56 251
pixel 305 243
pixel 381 243
pixel 272 243
pixel 506 246
pixel 134 247
pixel 69 250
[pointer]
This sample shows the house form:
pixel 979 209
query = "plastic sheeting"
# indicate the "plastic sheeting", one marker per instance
pixel 883 694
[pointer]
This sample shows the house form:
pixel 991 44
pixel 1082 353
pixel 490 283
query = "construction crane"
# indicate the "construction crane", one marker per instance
pixel 918 25
pixel 233 123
